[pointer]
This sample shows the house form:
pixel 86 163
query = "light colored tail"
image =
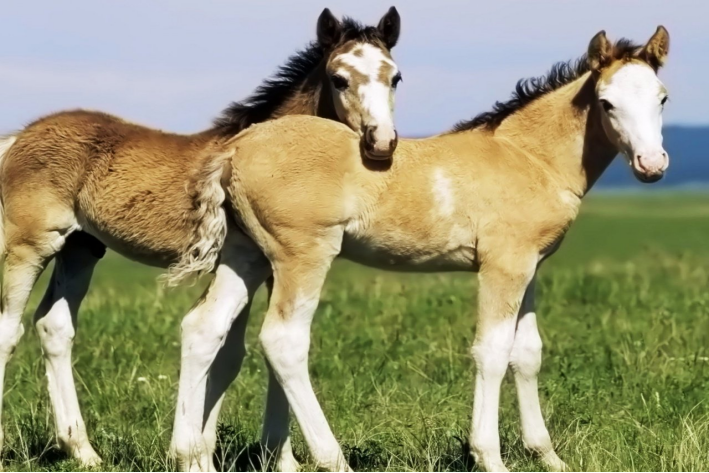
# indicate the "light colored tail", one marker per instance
pixel 209 216
pixel 5 145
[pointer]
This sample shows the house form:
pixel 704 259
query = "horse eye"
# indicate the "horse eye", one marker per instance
pixel 607 106
pixel 664 99
pixel 395 81
pixel 339 82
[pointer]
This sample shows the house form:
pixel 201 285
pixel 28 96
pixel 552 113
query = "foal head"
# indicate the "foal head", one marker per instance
pixel 362 77
pixel 630 99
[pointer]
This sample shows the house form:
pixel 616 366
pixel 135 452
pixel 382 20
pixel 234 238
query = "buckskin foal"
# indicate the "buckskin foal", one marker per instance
pixel 495 196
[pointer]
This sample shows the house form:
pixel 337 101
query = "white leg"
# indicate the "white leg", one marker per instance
pixel 491 353
pixel 501 292
pixel 526 361
pixel 204 332
pixel 55 321
pixel 224 371
pixel 275 436
pixel 11 330
pixel 285 337
pixel 23 265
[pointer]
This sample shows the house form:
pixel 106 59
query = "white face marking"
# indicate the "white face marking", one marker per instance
pixel 633 116
pixel 375 98
pixel 443 193
pixel 344 73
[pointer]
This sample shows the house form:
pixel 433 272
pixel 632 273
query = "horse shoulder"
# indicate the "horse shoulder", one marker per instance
pixel 295 170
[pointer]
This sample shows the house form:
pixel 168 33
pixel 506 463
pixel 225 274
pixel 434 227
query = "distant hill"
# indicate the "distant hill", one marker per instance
pixel 688 148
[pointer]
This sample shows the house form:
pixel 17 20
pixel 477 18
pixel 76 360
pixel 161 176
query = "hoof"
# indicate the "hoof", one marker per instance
pixel 553 463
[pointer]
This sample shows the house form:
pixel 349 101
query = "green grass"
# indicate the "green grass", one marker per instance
pixel 623 310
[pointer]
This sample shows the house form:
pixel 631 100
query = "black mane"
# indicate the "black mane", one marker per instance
pixel 528 90
pixel 281 86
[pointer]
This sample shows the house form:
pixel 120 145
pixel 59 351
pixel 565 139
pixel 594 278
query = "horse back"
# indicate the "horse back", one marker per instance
pixel 129 185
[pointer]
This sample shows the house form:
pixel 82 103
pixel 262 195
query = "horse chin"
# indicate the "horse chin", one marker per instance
pixel 373 155
pixel 377 156
pixel 647 178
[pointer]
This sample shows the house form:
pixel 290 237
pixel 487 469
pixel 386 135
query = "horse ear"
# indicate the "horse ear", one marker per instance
pixel 329 29
pixel 656 50
pixel 599 52
pixel 390 27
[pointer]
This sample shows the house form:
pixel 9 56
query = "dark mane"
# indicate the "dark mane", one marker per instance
pixel 287 80
pixel 528 90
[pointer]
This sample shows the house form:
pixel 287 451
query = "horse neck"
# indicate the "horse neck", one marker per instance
pixel 312 97
pixel 563 131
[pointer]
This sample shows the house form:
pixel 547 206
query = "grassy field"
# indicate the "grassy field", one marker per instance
pixel 623 310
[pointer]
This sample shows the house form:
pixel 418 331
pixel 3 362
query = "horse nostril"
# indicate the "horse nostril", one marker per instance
pixel 394 142
pixel 369 134
pixel 639 161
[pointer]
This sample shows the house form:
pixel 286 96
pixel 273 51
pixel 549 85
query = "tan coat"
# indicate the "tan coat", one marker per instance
pixel 496 196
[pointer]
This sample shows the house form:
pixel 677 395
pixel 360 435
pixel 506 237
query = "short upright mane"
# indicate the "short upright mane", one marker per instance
pixel 287 80
pixel 528 90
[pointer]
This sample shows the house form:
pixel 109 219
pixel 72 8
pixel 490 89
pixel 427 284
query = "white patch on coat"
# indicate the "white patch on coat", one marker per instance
pixel 443 193
pixel 569 199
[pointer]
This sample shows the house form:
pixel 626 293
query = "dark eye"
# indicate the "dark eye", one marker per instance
pixel 607 106
pixel 664 100
pixel 395 81
pixel 339 82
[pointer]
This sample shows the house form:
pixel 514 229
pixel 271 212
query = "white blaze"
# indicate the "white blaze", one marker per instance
pixel 377 98
pixel 635 119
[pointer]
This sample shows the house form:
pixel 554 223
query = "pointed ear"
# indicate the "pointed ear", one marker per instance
pixel 390 27
pixel 656 50
pixel 329 29
pixel 599 51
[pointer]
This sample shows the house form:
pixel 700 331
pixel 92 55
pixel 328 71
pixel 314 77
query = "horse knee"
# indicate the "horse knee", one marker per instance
pixel 286 347
pixel 492 356
pixel 10 334
pixel 56 333
pixel 206 328
pixel 526 356
pixel 202 340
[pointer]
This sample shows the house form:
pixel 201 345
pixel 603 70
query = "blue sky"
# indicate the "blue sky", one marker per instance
pixel 175 64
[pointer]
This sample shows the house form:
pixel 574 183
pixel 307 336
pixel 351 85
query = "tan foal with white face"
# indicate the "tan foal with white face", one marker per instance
pixel 74 183
pixel 495 196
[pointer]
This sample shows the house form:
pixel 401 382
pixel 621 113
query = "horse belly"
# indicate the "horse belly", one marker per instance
pixel 148 251
pixel 149 232
pixel 397 251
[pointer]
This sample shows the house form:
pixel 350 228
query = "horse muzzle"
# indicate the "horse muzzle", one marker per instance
pixel 379 143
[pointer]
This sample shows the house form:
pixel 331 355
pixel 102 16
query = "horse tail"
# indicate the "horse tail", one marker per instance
pixel 5 145
pixel 208 220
